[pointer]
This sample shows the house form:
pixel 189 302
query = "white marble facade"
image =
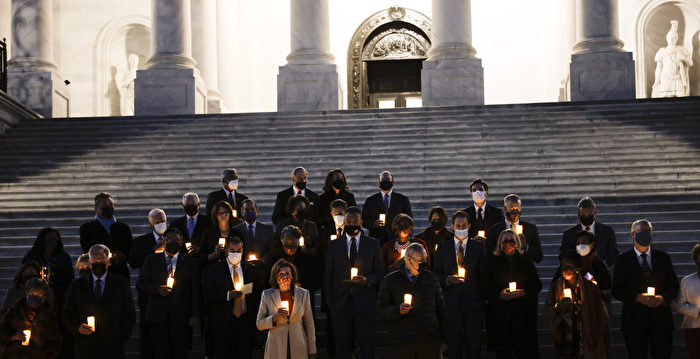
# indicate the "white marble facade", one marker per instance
pixel 525 48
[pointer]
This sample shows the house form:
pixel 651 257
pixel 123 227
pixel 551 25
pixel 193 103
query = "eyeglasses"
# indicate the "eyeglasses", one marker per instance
pixel 284 275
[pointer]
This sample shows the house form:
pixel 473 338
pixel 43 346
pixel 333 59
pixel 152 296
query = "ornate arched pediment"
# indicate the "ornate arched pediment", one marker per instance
pixel 396 44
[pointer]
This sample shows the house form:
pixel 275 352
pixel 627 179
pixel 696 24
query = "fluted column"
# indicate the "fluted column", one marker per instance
pixel 600 68
pixel 204 49
pixel 309 81
pixel 31 65
pixel 171 84
pixel 452 75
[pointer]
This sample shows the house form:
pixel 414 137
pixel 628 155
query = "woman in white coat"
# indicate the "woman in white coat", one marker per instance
pixel 688 304
pixel 291 333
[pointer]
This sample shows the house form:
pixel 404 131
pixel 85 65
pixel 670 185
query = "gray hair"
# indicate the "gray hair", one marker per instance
pixel 639 222
pixel 294 171
pixel 190 195
pixel 511 198
pixel 97 249
pixel 416 248
pixel 155 212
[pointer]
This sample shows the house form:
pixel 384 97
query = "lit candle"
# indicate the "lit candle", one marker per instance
pixel 252 257
pixel 407 298
pixel 222 241
pixel 519 229
pixel 651 291
pixel 27 335
pixel 238 286
pixel 285 305
pixel 170 283
pixel 403 253
pixel 353 273
pixel 567 293
pixel 382 217
pixel 333 237
pixel 188 245
pixel 91 322
pixel 461 272
pixel 235 213
pixel 481 234
pixel 436 247
pixel 301 241
pixel 512 286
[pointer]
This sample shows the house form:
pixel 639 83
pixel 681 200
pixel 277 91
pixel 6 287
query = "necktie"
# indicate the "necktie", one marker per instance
pixel 386 201
pixel 231 200
pixel 588 229
pixel 481 214
pixel 460 254
pixel 353 251
pixel 251 234
pixel 160 242
pixel 190 226
pixel 169 262
pixel 340 231
pixel 238 303
pixel 298 192
pixel 645 268
pixel 98 290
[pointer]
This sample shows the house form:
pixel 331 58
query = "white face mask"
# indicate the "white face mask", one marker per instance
pixel 339 220
pixel 160 228
pixel 235 258
pixel 233 184
pixel 583 249
pixel 462 233
pixel 478 196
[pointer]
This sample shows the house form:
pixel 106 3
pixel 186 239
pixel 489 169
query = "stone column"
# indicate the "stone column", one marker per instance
pixel 600 69
pixel 226 52
pixel 171 84
pixel 309 80
pixel 32 75
pixel 204 49
pixel 452 75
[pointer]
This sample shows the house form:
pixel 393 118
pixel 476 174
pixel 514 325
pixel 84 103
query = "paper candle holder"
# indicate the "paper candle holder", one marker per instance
pixel 285 304
pixel 567 293
pixel 91 322
pixel 519 228
pixel 481 234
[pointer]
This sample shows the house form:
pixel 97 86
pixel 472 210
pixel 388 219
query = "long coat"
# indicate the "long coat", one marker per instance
pixel 45 340
pixel 300 329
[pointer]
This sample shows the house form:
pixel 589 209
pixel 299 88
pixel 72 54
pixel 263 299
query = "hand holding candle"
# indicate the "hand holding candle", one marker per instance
pixel 91 322
pixel 353 273
pixel 27 336
pixel 567 293
pixel 170 282
pixel 461 272
pixel 407 298
pixel 512 287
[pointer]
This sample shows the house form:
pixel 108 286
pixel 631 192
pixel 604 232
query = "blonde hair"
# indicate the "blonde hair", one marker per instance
pixel 499 246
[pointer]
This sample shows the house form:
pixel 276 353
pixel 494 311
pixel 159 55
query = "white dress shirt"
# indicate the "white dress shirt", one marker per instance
pixel 296 191
pixel 483 211
pixel 592 227
pixel 348 241
pixel 639 257
pixel 240 278
pixel 688 301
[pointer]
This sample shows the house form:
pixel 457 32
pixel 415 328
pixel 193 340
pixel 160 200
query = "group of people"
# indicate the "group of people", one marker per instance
pixel 246 285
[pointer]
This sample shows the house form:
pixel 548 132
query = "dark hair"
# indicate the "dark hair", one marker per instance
pixel 293 201
pixel 172 230
pixel 695 252
pixel 216 207
pixel 586 203
pixel 588 235
pixel 479 181
pixel 460 214
pixel 276 269
pixel 571 260
pixel 401 222
pixel 353 210
pixel 229 171
pixel 339 203
pixel 232 239
pixel 248 200
pixel 38 283
pixel 22 268
pixel 441 212
pixel 329 181
pixel 101 196
pixel 37 250
pixel 291 231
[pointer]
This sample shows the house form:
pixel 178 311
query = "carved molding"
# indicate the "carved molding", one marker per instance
pixel 396 44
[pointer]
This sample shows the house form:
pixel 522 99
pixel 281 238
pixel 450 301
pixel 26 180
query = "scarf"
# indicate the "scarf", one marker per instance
pixel 107 223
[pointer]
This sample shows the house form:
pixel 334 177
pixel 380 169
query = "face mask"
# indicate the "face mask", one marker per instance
pixel 172 248
pixel 352 230
pixel 436 224
pixel 513 216
pixel 107 211
pixel 643 238
pixel 235 258
pixel 462 233
pixel 34 301
pixel 250 216
pixel 586 220
pixel 99 269
pixel 233 184
pixel 160 228
pixel 422 267
pixel 191 209
pixel 28 277
pixel 385 185
pixel 478 196
pixel 339 220
pixel 583 249
pixel 301 185
pixel 85 272
pixel 51 242
pixel 339 184
pixel 301 213
pixel 284 281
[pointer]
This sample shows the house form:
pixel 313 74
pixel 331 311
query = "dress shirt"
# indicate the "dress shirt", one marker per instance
pixel 247 225
pixel 155 238
pixel 639 257
pixel 592 226
pixel 94 282
pixel 483 211
pixel 464 246
pixel 348 241
pixel 241 278
pixel 296 191
pixel 174 261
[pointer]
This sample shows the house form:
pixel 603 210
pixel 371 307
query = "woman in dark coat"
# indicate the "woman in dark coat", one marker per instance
pixel 296 209
pixel 436 232
pixel 336 186
pixel 27 271
pixel 32 313
pixel 48 252
pixel 402 225
pixel 209 250
pixel 512 315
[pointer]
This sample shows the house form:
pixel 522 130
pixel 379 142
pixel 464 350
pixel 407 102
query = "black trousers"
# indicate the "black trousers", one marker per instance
pixel 350 324
pixel 145 342
pixel 416 350
pixel 238 339
pixel 658 343
pixel 170 340
pixel 464 327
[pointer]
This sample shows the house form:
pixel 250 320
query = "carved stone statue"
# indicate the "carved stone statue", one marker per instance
pixel 672 64
pixel 127 85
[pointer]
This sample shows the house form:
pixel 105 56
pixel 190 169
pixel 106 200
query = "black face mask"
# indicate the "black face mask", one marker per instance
pixel 513 216
pixel 422 267
pixel 352 230
pixel 172 248
pixel 28 277
pixel 191 209
pixel 586 220
pixel 301 185
pixel 51 242
pixel 385 185
pixel 107 211
pixel 99 269
pixel 301 214
pixel 339 184
pixel 34 301
pixel 643 238
pixel 85 273
pixel 436 224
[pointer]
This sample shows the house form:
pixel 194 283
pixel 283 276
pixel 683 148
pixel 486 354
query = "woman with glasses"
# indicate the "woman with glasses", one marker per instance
pixel 211 250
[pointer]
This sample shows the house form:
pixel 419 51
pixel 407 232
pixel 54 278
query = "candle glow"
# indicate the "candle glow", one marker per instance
pixel 301 241
pixel 238 286
pixel 235 213
pixel 333 237
pixel 188 245
pixel 512 286
pixel 91 322
pixel 519 229
pixel 407 298
pixel 403 253
pixel 651 291
pixel 461 272
pixel 27 335
pixel 252 257
pixel 170 283
pixel 567 293
pixel 382 217
pixel 285 305
pixel 482 234
pixel 222 241
pixel 353 273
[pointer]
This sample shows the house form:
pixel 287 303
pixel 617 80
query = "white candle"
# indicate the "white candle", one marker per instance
pixel 461 272
pixel 651 291
pixel 170 283
pixel 27 335
pixel 285 304
pixel 238 286
pixel 222 241
pixel 333 237
pixel 353 273
pixel 436 247
pixel 252 257
pixel 301 241
pixel 382 217
pixel 188 245
pixel 481 234
pixel 407 298
pixel 567 293
pixel 235 213
pixel 91 322
pixel 519 228
pixel 512 286
pixel 403 253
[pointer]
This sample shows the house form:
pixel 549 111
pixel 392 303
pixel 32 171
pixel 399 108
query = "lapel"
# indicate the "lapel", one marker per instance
pixel 229 276
pixel 392 203
pixel 276 299
pixel 107 286
pixel 298 298
pixel 453 253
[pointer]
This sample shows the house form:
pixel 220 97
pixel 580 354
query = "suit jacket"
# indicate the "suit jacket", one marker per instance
pixel 118 239
pixel 323 206
pixel 299 335
pixel 261 244
pixel 203 222
pixel 115 316
pixel 144 245
pixel 374 205
pixel 309 231
pixel 532 236
pixel 492 215
pixel 605 242
pixel 183 302
pixel 432 240
pixel 369 264
pixel 470 292
pixel 628 281
pixel 218 282
pixel 278 213
pixel 220 195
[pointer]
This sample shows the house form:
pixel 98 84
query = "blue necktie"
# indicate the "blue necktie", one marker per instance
pixel 170 265
pixel 386 201
pixel 190 226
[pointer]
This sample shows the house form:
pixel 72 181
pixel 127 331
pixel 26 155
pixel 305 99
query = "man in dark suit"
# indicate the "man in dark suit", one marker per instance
pixel 464 303
pixel 481 215
pixel 647 322
pixel 107 298
pixel 228 193
pixel 256 236
pixel 299 177
pixel 529 236
pixel 171 281
pixel 605 241
pixel 352 301
pixel 193 224
pixel 105 229
pixel 385 202
pixel 232 312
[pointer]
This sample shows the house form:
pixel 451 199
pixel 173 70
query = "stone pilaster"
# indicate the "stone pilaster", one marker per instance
pixel 204 49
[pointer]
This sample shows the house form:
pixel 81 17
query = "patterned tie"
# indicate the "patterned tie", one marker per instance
pixel 460 254
pixel 353 251
pixel 386 201
pixel 645 268
pixel 238 302
pixel 190 226
pixel 169 263
pixel 160 242
pixel 98 290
